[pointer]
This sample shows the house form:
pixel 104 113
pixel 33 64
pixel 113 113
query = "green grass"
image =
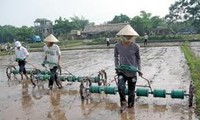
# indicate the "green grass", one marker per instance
pixel 194 65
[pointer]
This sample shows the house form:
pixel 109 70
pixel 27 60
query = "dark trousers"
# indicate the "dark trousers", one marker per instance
pixel 22 68
pixel 145 42
pixel 54 76
pixel 131 88
pixel 108 43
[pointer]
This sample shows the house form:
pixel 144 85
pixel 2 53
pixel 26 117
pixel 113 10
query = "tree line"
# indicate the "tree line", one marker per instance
pixel 183 14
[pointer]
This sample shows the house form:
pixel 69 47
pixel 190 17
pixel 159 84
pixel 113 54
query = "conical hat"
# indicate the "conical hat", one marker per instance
pixel 51 38
pixel 127 30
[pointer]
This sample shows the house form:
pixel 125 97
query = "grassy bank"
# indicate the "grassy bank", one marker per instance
pixel 194 65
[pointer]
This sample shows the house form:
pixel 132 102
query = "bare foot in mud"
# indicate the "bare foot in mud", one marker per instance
pixel 123 109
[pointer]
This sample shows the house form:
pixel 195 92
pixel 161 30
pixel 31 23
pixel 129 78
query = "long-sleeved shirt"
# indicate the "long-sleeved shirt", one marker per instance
pixel 129 55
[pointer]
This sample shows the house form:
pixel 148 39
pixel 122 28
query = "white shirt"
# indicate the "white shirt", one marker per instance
pixel 52 54
pixel 21 53
pixel 107 39
pixel 145 36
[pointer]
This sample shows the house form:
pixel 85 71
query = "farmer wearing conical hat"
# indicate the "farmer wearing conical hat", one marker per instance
pixel 21 55
pixel 52 57
pixel 127 52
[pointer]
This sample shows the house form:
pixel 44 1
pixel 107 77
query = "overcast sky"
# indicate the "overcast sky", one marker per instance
pixel 24 12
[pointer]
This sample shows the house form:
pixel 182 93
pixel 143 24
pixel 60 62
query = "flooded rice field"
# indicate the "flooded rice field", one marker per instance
pixel 165 67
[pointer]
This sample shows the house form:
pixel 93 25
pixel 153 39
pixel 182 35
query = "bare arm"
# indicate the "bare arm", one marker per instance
pixel 59 59
pixel 59 55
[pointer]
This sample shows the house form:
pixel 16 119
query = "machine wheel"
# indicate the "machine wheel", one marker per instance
pixel 84 88
pixel 33 79
pixel 9 70
pixel 191 94
pixel 103 78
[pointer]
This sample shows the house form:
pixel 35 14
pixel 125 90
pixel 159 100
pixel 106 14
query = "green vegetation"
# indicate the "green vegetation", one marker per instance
pixel 67 43
pixel 184 13
pixel 183 18
pixel 194 65
pixel 170 38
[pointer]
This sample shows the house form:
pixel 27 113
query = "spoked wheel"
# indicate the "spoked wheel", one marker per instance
pixel 191 94
pixel 11 70
pixel 34 80
pixel 84 88
pixel 103 78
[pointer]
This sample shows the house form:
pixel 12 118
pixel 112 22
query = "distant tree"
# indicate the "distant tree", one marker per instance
pixel 137 24
pixel 59 20
pixel 120 19
pixel 61 26
pixel 64 26
pixel 24 32
pixel 146 23
pixel 157 21
pixel 8 33
pixel 184 12
pixel 79 23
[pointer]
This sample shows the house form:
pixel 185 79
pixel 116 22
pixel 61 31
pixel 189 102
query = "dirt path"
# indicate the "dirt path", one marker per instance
pixel 165 66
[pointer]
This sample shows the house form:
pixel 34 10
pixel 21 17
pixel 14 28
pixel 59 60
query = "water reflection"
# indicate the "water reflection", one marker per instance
pixel 128 114
pixel 84 107
pixel 57 113
pixel 26 97
pixel 159 108
pixel 38 92
pixel 13 82
pixel 89 106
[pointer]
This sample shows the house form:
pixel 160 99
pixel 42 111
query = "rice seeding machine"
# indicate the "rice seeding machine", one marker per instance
pixel 87 87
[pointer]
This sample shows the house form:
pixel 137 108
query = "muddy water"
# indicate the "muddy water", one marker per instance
pixel 165 67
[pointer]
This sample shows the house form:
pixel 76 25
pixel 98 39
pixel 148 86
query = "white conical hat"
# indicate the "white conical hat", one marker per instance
pixel 51 38
pixel 127 30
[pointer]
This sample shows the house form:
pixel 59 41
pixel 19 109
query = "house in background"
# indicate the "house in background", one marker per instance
pixel 185 31
pixel 43 27
pixel 162 31
pixel 106 30
pixel 75 34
